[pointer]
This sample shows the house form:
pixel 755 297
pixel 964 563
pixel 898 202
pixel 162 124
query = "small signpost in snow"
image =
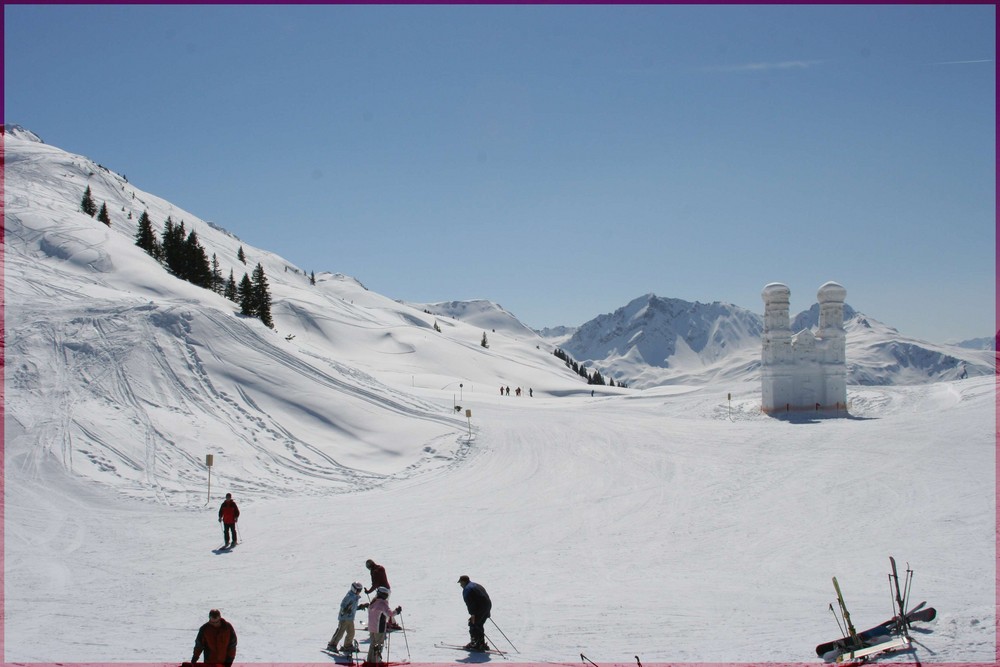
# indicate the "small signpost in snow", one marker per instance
pixel 468 415
pixel 209 460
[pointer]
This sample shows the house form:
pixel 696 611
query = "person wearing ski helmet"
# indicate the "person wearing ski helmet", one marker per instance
pixel 345 618
pixel 229 514
pixel 479 605
pixel 379 618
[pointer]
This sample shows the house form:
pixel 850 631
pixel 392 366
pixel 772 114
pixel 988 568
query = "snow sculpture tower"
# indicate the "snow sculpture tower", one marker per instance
pixel 806 371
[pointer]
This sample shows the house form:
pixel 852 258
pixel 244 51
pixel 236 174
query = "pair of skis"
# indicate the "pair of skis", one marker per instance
pixel 489 651
pixel 892 635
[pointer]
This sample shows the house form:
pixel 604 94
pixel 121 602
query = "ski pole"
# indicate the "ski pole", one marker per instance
pixel 840 625
pixel 495 647
pixel 906 588
pixel 588 660
pixel 504 635
pixel 403 628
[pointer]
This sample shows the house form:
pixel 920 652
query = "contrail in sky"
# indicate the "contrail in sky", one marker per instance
pixel 964 62
pixel 760 67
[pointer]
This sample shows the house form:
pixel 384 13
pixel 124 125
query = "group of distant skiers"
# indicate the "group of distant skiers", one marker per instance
pixel 505 391
pixel 216 639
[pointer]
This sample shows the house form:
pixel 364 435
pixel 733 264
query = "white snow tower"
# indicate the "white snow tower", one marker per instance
pixel 804 371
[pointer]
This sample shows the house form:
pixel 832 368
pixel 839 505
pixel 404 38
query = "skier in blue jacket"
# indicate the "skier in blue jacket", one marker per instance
pixel 345 627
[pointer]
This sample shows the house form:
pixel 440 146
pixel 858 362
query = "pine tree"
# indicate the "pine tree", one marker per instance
pixel 230 291
pixel 218 282
pixel 104 216
pixel 196 268
pixel 240 255
pixel 312 278
pixel 87 204
pixel 485 343
pixel 262 297
pixel 246 298
pixel 145 238
pixel 173 246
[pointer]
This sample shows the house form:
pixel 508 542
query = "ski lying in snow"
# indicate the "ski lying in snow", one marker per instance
pixel 470 650
pixel 894 644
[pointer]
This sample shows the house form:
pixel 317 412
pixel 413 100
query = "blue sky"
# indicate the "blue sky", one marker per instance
pixel 559 160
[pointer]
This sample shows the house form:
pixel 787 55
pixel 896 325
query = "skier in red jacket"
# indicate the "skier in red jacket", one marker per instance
pixel 229 514
pixel 378 575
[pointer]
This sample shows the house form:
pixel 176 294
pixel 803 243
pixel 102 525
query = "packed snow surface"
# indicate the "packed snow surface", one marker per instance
pixel 673 523
pixel 649 524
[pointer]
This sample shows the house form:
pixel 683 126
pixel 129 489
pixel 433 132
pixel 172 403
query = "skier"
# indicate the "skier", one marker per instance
pixel 345 626
pixel 478 602
pixel 379 577
pixel 379 618
pixel 229 514
pixel 217 640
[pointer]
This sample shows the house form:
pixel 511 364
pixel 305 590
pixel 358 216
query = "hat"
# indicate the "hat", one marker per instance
pixel 382 592
pixel 357 586
pixel 464 579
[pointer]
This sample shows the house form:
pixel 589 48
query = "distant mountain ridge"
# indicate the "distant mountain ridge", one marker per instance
pixel 652 330
pixel 654 340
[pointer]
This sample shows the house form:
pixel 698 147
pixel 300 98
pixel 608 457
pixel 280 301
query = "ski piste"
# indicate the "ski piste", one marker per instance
pixel 469 650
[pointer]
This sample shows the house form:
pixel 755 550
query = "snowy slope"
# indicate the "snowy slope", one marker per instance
pixel 646 523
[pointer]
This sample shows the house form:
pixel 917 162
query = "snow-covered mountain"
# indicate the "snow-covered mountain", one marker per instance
pixel 653 333
pixel 657 518
pixel 654 341
pixel 986 343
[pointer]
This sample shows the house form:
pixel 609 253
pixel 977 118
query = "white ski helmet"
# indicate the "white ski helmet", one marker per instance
pixel 357 586
pixel 382 592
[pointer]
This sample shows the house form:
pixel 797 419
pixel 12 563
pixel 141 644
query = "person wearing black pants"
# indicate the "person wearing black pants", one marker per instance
pixel 478 602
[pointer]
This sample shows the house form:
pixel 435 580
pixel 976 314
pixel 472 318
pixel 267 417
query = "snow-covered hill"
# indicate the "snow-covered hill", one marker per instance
pixel 645 523
pixel 122 332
